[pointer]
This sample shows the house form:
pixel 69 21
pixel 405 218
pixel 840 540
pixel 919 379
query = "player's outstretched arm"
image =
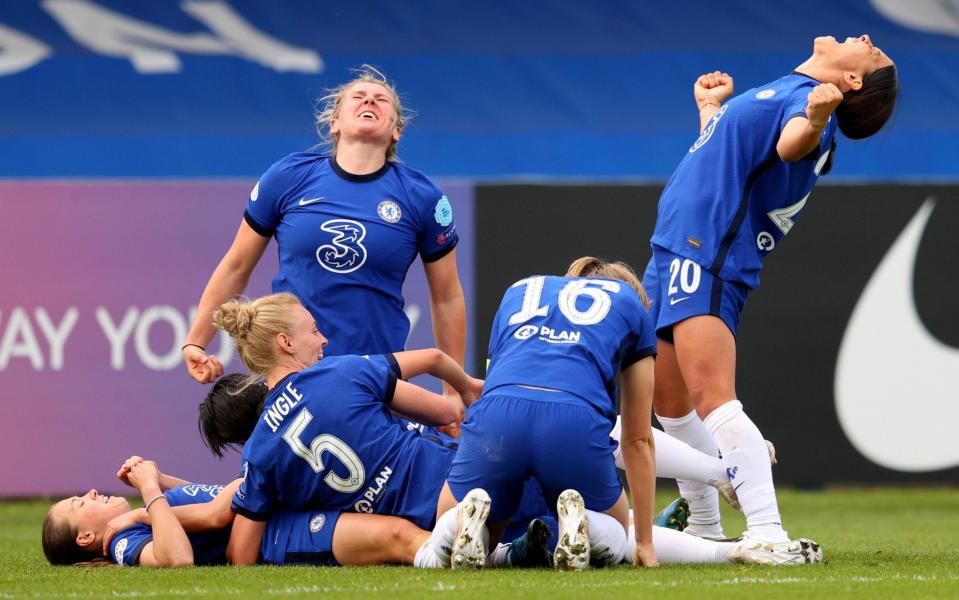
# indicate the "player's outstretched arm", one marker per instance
pixel 710 91
pixel 424 406
pixel 442 366
pixel 801 135
pixel 639 453
pixel 229 279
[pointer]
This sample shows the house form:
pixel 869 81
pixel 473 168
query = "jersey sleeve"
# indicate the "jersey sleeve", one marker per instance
pixel 386 361
pixel 264 209
pixel 496 330
pixel 795 105
pixel 642 341
pixel 126 546
pixel 437 234
pixel 255 497
pixel 377 380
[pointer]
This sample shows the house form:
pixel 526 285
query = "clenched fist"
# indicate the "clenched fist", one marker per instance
pixel 712 88
pixel 823 99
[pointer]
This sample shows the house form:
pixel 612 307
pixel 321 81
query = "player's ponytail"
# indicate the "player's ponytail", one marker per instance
pixel 863 112
pixel 590 266
pixel 254 325
pixel 60 546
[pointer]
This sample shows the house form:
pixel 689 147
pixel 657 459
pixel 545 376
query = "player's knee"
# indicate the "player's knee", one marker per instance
pixel 400 536
pixel 707 388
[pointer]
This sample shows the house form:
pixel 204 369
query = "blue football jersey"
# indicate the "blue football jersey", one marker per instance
pixel 326 440
pixel 388 361
pixel 209 548
pixel 573 334
pixel 346 242
pixel 732 199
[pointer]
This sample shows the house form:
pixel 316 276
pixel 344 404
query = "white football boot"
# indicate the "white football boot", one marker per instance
pixel 572 549
pixel 469 545
pixel 801 551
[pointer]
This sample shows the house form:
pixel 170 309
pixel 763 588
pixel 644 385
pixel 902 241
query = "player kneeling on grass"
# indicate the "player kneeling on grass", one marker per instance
pixel 558 350
pixel 558 347
pixel 184 523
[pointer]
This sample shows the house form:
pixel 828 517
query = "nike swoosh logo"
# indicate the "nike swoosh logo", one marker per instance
pixel 885 329
pixel 931 17
pixel 305 202
pixel 673 301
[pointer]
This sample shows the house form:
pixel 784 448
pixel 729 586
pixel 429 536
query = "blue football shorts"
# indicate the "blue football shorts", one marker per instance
pixel 300 538
pixel 680 288
pixel 514 433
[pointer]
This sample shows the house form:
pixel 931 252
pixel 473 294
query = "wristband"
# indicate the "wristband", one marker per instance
pixel 709 103
pixel 185 346
pixel 146 506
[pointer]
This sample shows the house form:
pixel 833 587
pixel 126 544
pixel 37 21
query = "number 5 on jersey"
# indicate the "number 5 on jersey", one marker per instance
pixel 325 443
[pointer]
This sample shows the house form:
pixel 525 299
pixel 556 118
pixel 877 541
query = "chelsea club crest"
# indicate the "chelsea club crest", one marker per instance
pixel 389 211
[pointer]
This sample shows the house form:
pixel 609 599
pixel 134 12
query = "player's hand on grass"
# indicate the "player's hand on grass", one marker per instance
pixel 202 367
pixel 822 101
pixel 125 469
pixel 119 523
pixel 645 556
pixel 712 88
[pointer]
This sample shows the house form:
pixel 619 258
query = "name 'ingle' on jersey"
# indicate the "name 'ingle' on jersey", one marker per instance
pixel 732 199
pixel 573 334
pixel 326 439
pixel 346 242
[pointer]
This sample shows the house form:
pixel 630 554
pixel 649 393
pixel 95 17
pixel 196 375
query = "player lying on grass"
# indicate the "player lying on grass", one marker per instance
pixel 182 524
pixel 95 530
pixel 101 530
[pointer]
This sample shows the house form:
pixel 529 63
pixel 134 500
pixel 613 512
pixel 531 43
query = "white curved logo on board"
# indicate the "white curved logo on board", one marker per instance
pixel 896 396
pixel 931 16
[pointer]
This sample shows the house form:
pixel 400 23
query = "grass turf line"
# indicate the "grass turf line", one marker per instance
pixel 879 543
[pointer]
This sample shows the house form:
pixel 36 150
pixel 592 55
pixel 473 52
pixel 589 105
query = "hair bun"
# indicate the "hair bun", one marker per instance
pixel 235 317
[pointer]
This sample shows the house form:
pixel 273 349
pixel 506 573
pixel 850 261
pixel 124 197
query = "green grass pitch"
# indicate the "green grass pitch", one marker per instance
pixel 879 543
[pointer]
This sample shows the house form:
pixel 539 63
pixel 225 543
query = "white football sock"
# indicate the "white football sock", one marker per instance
pixel 426 557
pixel 444 532
pixel 499 558
pixel 607 539
pixel 704 519
pixel 747 463
pixel 675 459
pixel 675 547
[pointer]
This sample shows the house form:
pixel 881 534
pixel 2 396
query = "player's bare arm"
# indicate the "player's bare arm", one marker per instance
pixel 710 91
pixel 801 135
